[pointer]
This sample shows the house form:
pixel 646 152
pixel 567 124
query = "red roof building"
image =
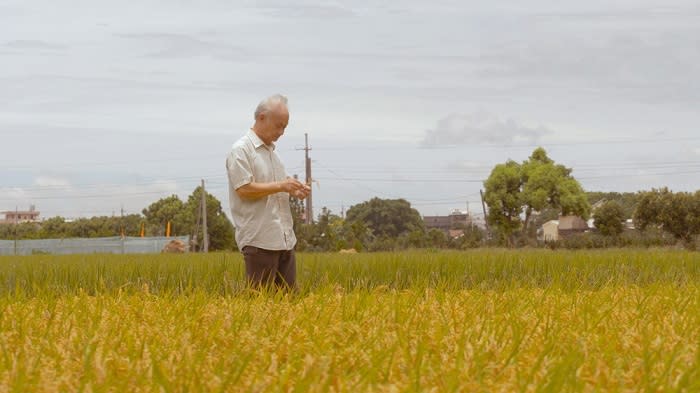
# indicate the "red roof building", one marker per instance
pixel 18 216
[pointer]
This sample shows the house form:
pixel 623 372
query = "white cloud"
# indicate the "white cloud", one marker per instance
pixel 174 46
pixel 34 45
pixel 471 167
pixel 656 66
pixel 310 10
pixel 49 181
pixel 12 194
pixel 481 127
pixel 164 185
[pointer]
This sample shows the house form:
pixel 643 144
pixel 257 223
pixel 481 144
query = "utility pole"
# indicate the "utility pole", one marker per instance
pixel 468 221
pixel 307 161
pixel 121 221
pixel 483 206
pixel 16 223
pixel 121 224
pixel 205 235
pixel 194 242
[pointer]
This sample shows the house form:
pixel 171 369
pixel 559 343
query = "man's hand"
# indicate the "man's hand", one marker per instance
pixel 302 194
pixel 295 188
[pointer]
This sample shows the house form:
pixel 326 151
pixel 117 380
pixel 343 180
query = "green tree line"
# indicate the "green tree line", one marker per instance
pixel 154 219
pixel 521 196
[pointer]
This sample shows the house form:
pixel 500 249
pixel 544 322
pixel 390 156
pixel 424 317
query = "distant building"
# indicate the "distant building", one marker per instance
pixel 18 217
pixel 437 222
pixel 457 220
pixel 565 226
pixel 550 231
pixel 569 225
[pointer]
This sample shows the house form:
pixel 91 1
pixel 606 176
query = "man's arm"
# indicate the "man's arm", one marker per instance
pixel 258 190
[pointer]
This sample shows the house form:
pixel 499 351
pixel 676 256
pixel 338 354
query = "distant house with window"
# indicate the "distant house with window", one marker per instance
pixel 19 216
pixel 565 226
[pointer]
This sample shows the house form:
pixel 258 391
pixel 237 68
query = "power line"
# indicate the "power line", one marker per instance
pixel 69 187
pixel 638 175
pixel 461 180
pixel 510 145
pixel 110 163
pixel 389 180
pixel 455 202
pixel 355 180
pixel 7 165
pixel 101 196
pixel 629 165
pixel 576 168
pixel 340 177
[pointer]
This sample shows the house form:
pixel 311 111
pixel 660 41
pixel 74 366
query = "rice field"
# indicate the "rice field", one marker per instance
pixel 484 320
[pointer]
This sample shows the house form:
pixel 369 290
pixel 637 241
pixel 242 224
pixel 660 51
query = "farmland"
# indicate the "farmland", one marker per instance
pixel 484 320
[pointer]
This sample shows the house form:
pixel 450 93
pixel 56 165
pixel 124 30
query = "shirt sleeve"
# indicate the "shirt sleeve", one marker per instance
pixel 238 168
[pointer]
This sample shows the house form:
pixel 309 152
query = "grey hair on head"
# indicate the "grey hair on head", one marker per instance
pixel 269 103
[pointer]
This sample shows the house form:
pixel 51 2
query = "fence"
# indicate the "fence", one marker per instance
pixel 100 245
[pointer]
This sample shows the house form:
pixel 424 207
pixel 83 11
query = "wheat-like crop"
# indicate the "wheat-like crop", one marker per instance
pixel 496 321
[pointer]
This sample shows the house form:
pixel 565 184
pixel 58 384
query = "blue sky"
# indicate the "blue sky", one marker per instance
pixel 108 104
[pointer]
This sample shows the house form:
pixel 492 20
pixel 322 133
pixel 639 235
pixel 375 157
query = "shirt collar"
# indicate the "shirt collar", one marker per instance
pixel 257 142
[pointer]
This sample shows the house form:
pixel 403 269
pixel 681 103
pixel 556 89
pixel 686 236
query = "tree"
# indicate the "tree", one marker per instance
pixel 219 227
pixel 608 218
pixel 54 227
pixel 649 207
pixel 676 213
pixel 357 234
pixel 515 192
pixel 412 239
pixel 504 198
pixel 386 217
pixel 472 238
pixel 170 209
pixel 296 206
pixel 58 228
pixel 25 230
pixel 627 200
pixel 327 234
pixel 183 216
pixel 436 238
pixel 546 184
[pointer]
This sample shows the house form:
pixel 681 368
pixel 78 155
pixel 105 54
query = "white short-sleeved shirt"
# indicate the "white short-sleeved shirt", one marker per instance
pixel 261 222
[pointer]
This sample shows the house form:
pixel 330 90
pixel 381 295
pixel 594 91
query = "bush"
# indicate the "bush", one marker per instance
pixel 608 218
pixel 593 240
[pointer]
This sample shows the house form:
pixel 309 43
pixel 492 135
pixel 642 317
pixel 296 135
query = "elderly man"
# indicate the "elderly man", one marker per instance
pixel 259 191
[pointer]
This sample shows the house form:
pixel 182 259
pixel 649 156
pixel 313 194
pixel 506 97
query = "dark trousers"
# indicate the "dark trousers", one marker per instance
pixel 267 267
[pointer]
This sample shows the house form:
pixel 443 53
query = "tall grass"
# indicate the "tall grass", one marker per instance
pixel 224 273
pixel 485 320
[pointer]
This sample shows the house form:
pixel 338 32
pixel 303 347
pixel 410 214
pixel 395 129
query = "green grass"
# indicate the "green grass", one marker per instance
pixel 224 273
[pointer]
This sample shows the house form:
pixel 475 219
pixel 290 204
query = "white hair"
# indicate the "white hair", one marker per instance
pixel 269 103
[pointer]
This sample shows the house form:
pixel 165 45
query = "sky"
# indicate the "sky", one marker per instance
pixel 110 105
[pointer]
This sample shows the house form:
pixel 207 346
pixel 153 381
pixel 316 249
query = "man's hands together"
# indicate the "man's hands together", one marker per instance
pixel 295 188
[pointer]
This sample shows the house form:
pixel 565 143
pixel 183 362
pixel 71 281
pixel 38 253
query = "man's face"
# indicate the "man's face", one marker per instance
pixel 274 123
